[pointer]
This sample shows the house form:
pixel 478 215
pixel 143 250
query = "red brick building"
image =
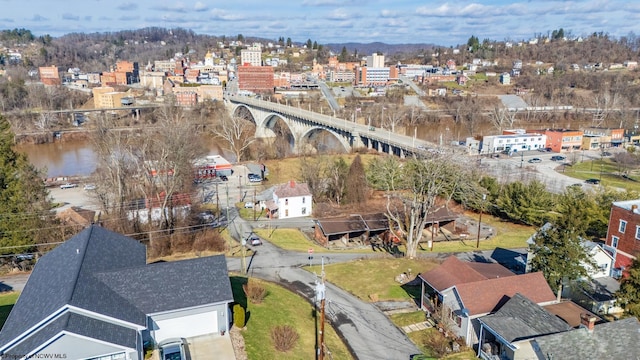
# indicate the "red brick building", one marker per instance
pixel 258 79
pixel 49 75
pixel 561 140
pixel 623 234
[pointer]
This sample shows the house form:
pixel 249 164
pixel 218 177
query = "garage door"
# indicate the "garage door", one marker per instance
pixel 187 326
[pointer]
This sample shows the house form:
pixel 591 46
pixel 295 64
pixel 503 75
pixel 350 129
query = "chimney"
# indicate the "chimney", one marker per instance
pixel 292 183
pixel 587 321
pixel 634 208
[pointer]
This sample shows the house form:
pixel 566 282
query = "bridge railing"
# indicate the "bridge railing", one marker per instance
pixel 381 135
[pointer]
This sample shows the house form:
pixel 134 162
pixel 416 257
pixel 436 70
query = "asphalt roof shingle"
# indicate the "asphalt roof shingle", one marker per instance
pixel 454 271
pixel 520 318
pixel 64 276
pixel 611 340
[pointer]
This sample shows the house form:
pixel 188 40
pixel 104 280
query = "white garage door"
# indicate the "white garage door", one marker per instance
pixel 187 326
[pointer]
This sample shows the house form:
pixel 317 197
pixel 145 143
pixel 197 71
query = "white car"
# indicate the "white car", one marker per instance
pixel 89 187
pixel 172 349
pixel 68 186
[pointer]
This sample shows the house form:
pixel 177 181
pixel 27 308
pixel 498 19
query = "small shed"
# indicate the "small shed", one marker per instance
pixel 350 227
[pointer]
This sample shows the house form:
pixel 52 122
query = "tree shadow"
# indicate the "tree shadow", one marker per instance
pixel 512 260
pixel 239 296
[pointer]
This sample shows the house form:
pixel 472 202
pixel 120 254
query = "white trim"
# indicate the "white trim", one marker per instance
pixel 620 227
pixel 189 308
pixel 25 334
pixel 71 334
pixel 106 318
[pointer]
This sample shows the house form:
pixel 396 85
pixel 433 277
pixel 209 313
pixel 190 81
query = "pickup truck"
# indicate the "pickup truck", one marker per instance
pixel 68 186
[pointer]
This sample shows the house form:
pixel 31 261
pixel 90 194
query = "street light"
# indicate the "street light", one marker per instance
pixel 484 197
pixel 521 158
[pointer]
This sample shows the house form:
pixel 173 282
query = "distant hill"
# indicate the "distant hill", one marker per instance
pixel 387 49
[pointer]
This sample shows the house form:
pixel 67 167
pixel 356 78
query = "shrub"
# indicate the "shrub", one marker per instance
pixel 255 291
pixel 284 337
pixel 238 316
pixel 438 344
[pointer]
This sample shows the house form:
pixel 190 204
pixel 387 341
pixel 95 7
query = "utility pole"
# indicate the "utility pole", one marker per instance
pixel 320 296
pixel 227 186
pixel 484 197
pixel 254 204
pixel 218 204
pixel 243 241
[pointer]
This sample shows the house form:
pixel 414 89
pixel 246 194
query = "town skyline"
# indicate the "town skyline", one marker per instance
pixel 331 21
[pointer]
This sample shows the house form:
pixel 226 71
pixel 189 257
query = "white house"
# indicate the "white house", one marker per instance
pixel 285 201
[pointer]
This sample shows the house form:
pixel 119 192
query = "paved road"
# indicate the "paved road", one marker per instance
pixel 333 103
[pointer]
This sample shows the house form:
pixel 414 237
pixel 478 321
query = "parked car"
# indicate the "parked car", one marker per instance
pixel 592 181
pixel 254 178
pixel 248 205
pixel 254 240
pixel 535 160
pixel 557 158
pixel 172 349
pixel 68 186
pixel 606 153
pixel 544 149
pixel 576 185
pixel 89 187
pixel 224 178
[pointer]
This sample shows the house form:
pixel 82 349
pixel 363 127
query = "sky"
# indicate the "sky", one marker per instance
pixel 443 22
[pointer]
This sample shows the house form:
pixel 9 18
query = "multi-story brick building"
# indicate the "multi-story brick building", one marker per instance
pixel 105 97
pixel 49 75
pixel 609 137
pixel 258 79
pixel 560 140
pixel 623 233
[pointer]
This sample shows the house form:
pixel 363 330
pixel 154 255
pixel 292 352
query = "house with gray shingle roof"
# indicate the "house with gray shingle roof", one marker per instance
pixel 96 296
pixel 518 319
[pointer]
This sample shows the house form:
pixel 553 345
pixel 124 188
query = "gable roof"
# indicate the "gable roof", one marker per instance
pixel 454 271
pixel 520 318
pixel 80 325
pixel 353 223
pixel 292 189
pixel 488 295
pixel 168 286
pixel 610 340
pixel 570 312
pixel 64 276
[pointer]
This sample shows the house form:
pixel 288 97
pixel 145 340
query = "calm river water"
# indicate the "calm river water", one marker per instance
pixel 73 158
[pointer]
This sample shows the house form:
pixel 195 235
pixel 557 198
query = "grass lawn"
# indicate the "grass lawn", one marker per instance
pixel 282 307
pixel 404 319
pixel 283 170
pixel 508 236
pixel 6 304
pixel 289 239
pixel 379 275
pixel 420 337
pixel 591 169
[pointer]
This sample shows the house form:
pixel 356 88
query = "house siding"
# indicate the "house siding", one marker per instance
pixel 627 241
pixel 296 206
pixel 77 347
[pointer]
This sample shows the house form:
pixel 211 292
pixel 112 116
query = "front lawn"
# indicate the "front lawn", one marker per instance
pixel 282 307
pixel 375 278
pixel 605 170
pixel 7 300
pixel 409 318
pixel 289 239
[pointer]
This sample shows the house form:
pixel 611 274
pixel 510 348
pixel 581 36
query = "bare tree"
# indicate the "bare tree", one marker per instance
pixel 419 189
pixel 502 117
pixel 237 133
pixel 45 120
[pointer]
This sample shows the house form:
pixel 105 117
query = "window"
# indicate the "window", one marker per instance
pixel 637 232
pixel 286 212
pixel 459 321
pixel 622 226
pixel 304 211
pixel 286 202
pixel 303 199
pixel 614 241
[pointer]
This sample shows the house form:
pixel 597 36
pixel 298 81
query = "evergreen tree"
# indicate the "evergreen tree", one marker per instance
pixel 344 55
pixel 629 293
pixel 289 43
pixel 356 188
pixel 23 198
pixel 309 44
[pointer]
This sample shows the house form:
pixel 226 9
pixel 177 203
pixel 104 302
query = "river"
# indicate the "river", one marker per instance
pixel 75 158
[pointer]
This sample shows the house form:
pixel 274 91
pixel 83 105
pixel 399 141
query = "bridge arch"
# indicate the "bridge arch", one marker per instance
pixel 310 132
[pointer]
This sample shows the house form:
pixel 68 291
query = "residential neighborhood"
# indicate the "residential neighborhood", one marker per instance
pixel 171 194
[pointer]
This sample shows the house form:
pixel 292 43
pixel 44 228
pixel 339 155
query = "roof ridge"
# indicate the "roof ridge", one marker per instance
pixel 469 267
pixel 79 270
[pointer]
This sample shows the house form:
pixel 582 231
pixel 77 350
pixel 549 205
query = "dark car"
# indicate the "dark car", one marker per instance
pixel 557 158
pixel 592 181
pixel 606 153
pixel 254 178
